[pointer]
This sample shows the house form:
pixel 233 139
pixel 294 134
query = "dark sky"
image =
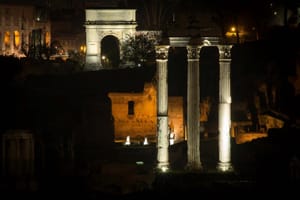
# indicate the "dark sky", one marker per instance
pixel 222 3
pixel 236 5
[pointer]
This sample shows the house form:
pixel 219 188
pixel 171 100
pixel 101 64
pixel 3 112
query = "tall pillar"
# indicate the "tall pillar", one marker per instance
pixel 162 107
pixel 193 111
pixel 92 57
pixel 224 122
pixel 12 157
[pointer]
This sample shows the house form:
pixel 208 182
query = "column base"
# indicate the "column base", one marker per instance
pixel 92 67
pixel 194 167
pixel 162 167
pixel 225 167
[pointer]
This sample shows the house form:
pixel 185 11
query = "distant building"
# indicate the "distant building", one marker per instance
pixel 17 25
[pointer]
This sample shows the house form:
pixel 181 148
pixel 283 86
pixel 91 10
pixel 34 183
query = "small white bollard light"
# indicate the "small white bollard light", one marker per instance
pixel 172 138
pixel 127 142
pixel 145 141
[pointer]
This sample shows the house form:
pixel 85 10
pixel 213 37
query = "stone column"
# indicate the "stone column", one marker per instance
pixel 162 107
pixel 12 157
pixel 27 148
pixel 224 122
pixel 193 111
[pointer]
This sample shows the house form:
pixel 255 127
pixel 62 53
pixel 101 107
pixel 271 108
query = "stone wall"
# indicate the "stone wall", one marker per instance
pixel 176 117
pixel 143 123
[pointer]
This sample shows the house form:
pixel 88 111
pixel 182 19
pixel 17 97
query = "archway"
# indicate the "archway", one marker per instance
pixel 115 24
pixel 110 52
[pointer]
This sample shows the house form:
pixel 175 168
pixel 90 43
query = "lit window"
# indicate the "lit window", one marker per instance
pixel 130 107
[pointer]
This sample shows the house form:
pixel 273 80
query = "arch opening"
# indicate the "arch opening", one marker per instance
pixel 110 52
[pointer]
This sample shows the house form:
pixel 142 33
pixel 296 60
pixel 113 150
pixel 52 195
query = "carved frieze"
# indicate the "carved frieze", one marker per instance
pixel 103 33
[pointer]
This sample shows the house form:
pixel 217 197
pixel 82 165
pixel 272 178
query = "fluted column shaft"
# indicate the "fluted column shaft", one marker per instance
pixel 193 111
pixel 224 122
pixel 162 107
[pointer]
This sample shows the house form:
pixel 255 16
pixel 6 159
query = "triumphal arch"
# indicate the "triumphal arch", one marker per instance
pixel 106 23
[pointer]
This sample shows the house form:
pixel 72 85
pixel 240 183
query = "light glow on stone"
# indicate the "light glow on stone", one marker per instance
pixel 145 141
pixel 127 142
pixel 224 135
pixel 164 169
pixel 172 138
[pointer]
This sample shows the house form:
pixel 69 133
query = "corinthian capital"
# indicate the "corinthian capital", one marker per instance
pixel 162 52
pixel 193 51
pixel 225 51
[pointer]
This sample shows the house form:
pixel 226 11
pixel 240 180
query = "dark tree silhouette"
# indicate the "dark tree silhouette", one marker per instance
pixel 139 49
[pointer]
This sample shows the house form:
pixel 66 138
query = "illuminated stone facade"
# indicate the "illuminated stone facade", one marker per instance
pixel 16 25
pixel 118 23
pixel 135 115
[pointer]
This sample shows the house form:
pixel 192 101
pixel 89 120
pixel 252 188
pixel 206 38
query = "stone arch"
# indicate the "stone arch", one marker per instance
pixel 119 23
pixel 110 52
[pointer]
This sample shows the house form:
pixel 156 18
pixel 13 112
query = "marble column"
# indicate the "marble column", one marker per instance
pixel 193 111
pixel 224 121
pixel 27 148
pixel 162 107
